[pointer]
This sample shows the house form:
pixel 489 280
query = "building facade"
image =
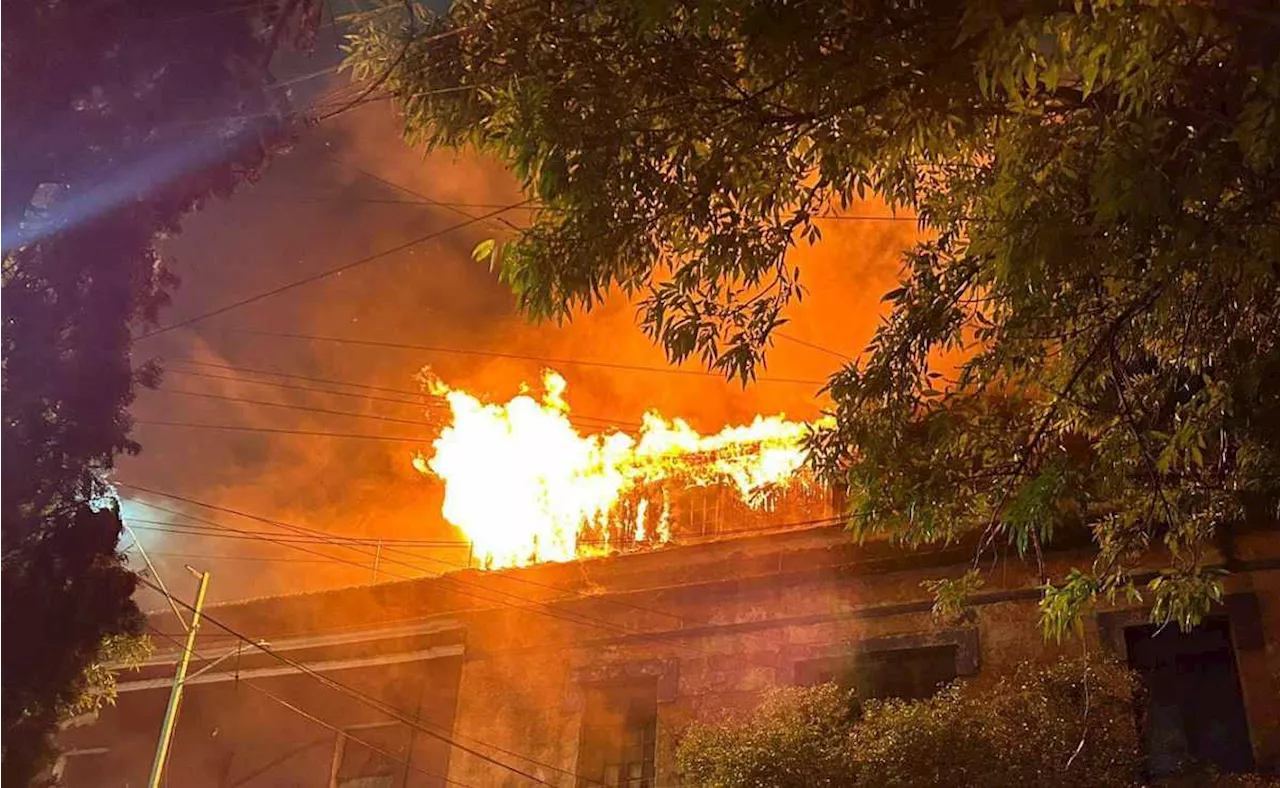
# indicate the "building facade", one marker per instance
pixel 586 673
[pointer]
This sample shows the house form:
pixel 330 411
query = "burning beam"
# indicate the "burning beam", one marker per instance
pixel 525 485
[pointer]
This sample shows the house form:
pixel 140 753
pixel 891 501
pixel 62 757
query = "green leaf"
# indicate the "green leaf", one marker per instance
pixel 484 250
pixel 1116 225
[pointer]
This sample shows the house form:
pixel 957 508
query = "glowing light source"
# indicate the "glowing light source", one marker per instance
pixel 525 485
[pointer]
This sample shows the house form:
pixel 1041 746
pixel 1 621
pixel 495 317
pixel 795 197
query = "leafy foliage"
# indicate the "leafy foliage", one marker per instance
pixel 1098 181
pixel 118 121
pixel 1068 724
pixel 951 597
pixel 114 652
pixel 798 738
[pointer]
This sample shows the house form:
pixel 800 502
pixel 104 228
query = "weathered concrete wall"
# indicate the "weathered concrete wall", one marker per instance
pixel 715 625
pixel 233 734
pixel 518 705
pixel 729 638
pixel 1260 667
pixel 722 636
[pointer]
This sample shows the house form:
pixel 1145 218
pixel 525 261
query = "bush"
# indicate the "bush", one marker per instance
pixel 798 738
pixel 1054 726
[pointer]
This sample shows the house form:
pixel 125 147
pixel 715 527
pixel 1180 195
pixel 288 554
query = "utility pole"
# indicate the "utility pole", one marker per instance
pixel 179 680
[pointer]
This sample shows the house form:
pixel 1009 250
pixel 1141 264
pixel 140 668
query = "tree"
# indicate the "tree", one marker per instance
pixel 118 120
pixel 1098 182
pixel 1066 724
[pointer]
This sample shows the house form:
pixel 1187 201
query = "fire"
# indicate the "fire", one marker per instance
pixel 525 485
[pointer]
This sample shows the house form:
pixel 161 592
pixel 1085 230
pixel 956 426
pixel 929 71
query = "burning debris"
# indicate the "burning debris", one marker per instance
pixel 526 485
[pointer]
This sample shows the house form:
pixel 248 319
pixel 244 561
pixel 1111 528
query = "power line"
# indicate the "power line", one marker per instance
pixel 426 400
pixel 337 542
pixel 422 198
pixel 269 558
pixel 194 529
pixel 846 217
pixel 324 72
pixel 279 540
pixel 514 356
pixel 818 522
pixel 289 387
pixel 376 82
pixel 627 632
pixel 325 274
pixel 385 708
pixel 289 406
pixel 292 376
pixel 571 618
pixel 412 39
pixel 281 431
pixel 430 202
pixel 258 535
pixel 379 705
pixel 577 618
pixel 811 345
pixel 199 527
pixel 368 700
pixel 422 203
pixel 390 542
pixel 362 742
pixel 410 439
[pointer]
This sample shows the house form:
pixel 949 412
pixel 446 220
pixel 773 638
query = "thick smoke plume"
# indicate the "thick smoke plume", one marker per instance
pixel 328 203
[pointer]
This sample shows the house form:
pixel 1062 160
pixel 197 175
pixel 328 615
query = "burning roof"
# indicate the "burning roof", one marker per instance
pixel 525 484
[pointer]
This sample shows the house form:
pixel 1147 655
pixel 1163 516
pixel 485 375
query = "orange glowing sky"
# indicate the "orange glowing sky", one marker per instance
pixel 314 210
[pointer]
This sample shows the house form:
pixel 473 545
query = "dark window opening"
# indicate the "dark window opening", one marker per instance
pixel 1193 715
pixel 619 735
pixel 909 674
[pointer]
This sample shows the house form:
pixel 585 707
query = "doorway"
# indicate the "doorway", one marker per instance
pixel 1193 714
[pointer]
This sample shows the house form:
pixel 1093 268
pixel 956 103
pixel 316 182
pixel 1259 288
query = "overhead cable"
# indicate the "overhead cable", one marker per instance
pixel 320 275
pixel 366 699
pixel 516 356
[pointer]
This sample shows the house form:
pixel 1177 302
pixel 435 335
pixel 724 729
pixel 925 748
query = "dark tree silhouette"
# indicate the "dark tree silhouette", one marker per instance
pixel 1101 186
pixel 120 117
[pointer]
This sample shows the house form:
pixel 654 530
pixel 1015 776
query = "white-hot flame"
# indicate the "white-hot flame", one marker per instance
pixel 525 485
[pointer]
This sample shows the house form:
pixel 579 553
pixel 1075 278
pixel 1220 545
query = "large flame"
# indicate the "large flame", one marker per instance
pixel 525 485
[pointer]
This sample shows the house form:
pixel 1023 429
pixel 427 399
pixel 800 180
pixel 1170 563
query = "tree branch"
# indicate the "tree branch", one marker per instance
pixel 1028 450
pixel 1137 435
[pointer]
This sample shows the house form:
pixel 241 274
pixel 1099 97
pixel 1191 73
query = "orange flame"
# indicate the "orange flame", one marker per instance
pixel 525 485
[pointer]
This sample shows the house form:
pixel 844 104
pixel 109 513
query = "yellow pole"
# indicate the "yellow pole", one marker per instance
pixel 175 695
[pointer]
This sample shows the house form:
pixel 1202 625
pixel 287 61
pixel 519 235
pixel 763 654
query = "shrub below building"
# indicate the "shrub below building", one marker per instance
pixel 1064 725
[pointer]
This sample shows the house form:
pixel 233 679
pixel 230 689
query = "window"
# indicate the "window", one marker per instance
pixel 619 735
pixel 1193 714
pixel 907 673
pixel 357 765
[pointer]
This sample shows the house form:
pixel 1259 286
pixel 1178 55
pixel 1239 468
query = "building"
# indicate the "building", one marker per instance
pixel 586 672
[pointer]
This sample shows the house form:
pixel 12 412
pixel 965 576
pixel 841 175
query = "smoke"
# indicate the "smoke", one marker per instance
pixel 324 205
